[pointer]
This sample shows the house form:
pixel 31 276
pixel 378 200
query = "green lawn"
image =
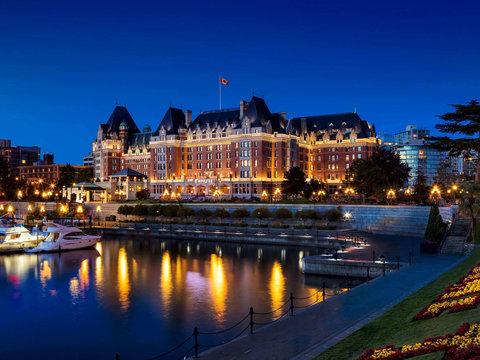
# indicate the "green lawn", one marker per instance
pixel 397 327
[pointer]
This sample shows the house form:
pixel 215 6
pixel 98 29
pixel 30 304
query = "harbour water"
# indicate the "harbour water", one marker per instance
pixel 139 297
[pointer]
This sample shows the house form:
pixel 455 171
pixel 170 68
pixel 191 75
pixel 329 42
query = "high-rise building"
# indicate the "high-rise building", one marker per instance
pixel 240 152
pixel 412 146
pixel 16 156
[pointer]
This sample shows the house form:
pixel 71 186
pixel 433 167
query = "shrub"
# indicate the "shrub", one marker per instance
pixel 185 212
pixel 155 210
pixel 435 227
pixel 140 210
pixel 125 210
pixel 171 210
pixel 306 214
pixel 222 213
pixel 240 213
pixel 204 213
pixel 333 215
pixel 261 213
pixel 283 213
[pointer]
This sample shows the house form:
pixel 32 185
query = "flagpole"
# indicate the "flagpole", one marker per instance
pixel 220 92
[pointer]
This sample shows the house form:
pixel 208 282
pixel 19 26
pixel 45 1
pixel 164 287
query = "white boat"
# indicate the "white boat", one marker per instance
pixel 17 238
pixel 63 238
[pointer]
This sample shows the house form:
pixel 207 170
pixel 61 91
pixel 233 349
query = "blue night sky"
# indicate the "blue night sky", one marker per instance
pixel 64 64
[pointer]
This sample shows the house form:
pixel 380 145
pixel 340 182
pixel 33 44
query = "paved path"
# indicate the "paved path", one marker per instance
pixel 314 330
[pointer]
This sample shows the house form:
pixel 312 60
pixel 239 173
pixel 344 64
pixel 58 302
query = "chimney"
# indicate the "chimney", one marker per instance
pixel 303 125
pixel 188 117
pixel 243 107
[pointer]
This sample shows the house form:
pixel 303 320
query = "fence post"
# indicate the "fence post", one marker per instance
pixel 383 267
pixel 195 334
pixel 348 282
pixel 368 273
pixel 373 257
pixel 251 320
pixel 291 304
pixel 323 291
pixel 117 356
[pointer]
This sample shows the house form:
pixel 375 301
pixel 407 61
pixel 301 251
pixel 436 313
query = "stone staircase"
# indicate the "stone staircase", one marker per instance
pixel 456 239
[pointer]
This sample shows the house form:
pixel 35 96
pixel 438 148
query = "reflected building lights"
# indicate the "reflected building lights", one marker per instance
pixel 218 285
pixel 277 285
pixel 123 283
pixel 45 272
pixel 74 288
pixel 166 279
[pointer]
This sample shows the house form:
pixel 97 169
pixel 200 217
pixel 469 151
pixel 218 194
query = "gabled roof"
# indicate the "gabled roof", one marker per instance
pixel 120 114
pixel 259 114
pixel 129 172
pixel 172 120
pixel 216 118
pixel 331 122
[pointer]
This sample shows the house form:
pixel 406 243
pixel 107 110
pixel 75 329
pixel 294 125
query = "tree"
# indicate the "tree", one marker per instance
pixel 381 171
pixel 421 190
pixel 143 194
pixel 470 202
pixel 435 227
pixel 295 182
pixel 222 213
pixel 465 120
pixel 313 186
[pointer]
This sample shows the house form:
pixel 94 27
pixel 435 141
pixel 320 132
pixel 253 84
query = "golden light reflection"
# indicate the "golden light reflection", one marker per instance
pixel 45 272
pixel 123 283
pixel 277 285
pixel 84 275
pixel 74 288
pixel 218 283
pixel 166 279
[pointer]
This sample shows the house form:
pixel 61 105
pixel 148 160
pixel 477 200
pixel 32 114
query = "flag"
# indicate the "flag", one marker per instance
pixel 224 81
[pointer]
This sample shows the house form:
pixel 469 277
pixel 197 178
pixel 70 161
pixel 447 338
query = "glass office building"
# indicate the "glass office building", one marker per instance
pixel 412 147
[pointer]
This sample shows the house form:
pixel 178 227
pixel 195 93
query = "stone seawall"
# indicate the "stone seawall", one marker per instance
pixel 392 220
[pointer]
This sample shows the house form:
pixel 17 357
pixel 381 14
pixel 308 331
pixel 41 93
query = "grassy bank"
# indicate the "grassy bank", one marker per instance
pixel 397 327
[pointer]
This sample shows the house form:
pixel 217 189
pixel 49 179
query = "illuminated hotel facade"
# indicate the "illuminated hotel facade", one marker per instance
pixel 242 152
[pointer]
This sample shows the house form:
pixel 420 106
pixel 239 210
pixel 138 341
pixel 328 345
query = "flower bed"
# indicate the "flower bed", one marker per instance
pixel 463 295
pixel 464 344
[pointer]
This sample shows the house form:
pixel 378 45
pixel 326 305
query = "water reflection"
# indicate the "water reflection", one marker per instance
pixel 276 286
pixel 218 286
pixel 123 281
pixel 167 286
pixel 166 280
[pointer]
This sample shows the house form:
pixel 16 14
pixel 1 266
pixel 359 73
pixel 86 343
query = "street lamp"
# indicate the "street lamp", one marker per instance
pixel 391 195
pixel 435 193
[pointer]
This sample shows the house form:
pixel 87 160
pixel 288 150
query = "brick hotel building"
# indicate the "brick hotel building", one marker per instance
pixel 239 152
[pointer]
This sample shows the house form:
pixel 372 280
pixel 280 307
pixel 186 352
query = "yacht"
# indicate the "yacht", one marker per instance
pixel 63 238
pixel 15 238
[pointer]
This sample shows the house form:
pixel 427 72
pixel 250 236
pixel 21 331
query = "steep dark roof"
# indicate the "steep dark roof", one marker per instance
pixel 129 172
pixel 256 111
pixel 259 114
pixel 216 118
pixel 322 123
pixel 120 114
pixel 172 121
pixel 140 139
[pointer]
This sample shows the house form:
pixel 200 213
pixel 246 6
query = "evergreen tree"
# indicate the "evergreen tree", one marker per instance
pixel 464 121
pixel 295 182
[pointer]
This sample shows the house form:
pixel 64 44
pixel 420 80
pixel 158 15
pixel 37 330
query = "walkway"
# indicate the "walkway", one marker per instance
pixel 314 330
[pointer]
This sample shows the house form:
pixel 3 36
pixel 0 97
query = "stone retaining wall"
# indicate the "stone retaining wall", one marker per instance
pixel 392 220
